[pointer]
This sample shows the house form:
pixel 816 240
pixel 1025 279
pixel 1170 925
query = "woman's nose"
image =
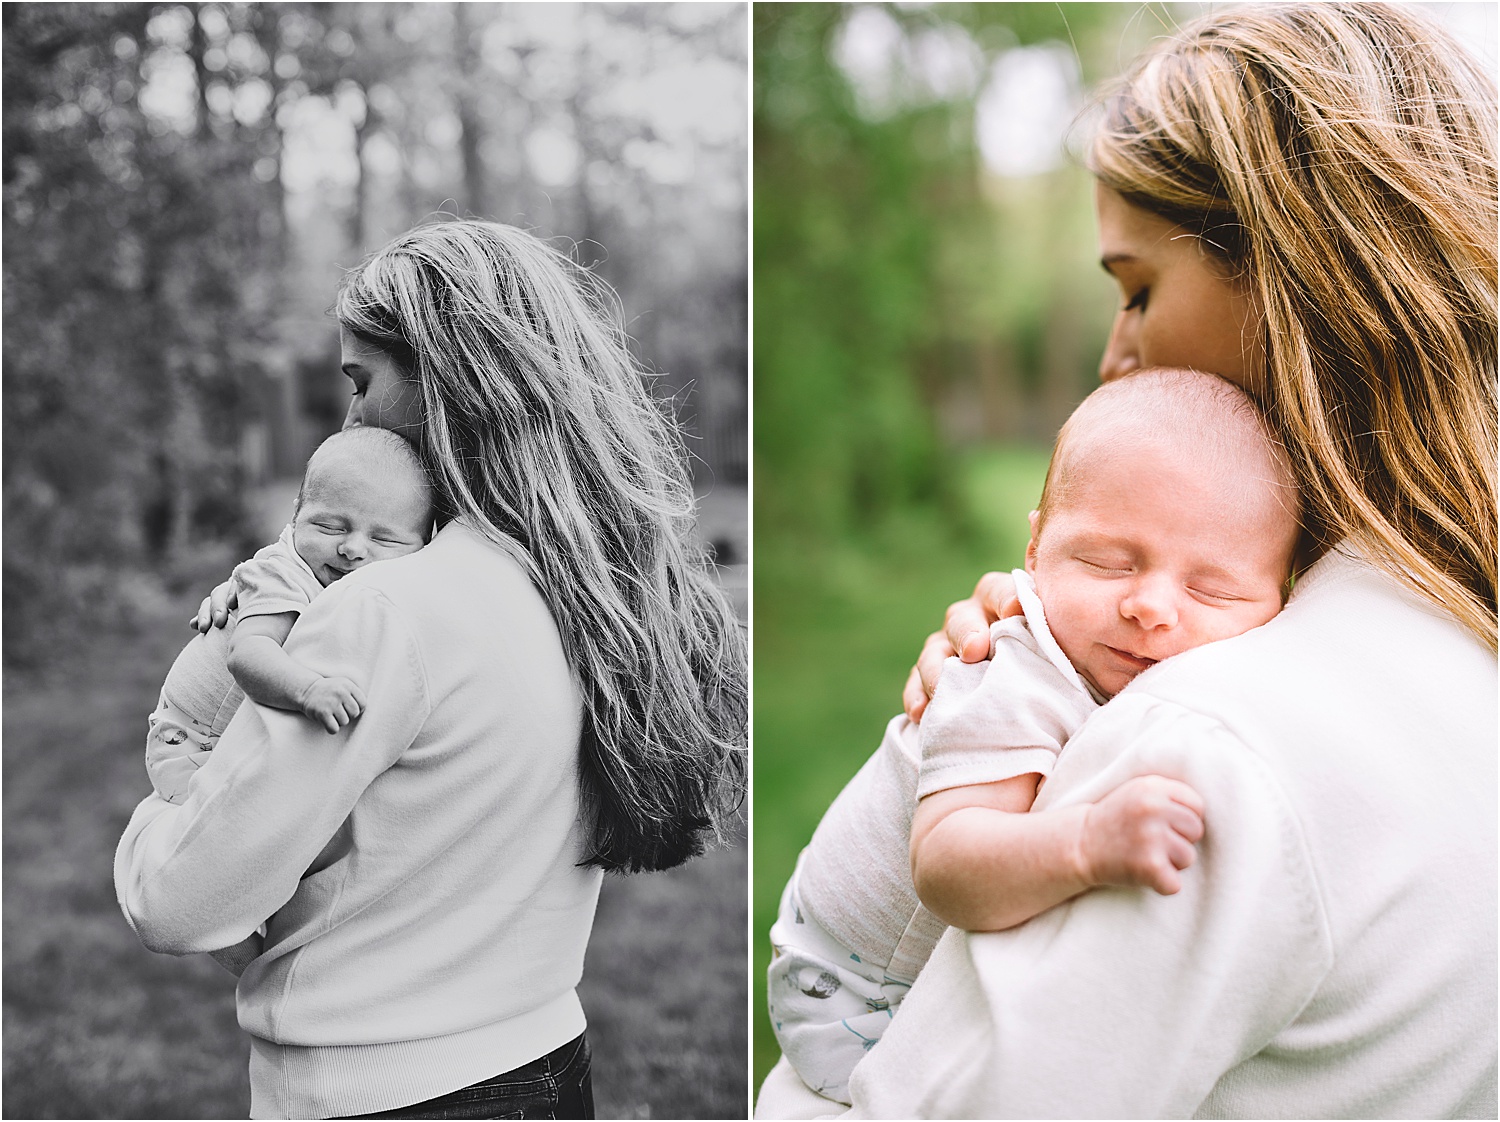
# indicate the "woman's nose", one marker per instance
pixel 1151 602
pixel 1122 354
pixel 352 418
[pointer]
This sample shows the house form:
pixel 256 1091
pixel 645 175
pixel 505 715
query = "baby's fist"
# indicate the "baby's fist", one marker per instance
pixel 1142 833
pixel 333 702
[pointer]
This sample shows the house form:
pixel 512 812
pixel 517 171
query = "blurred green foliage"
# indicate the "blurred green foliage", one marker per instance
pixel 837 627
pixel 923 324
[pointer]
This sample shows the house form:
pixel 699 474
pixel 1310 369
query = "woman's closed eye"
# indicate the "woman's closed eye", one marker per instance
pixel 1138 301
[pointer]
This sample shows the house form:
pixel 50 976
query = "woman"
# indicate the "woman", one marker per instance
pixel 1301 198
pixel 555 689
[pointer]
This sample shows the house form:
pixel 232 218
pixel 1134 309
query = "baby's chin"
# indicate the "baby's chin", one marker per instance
pixel 1115 670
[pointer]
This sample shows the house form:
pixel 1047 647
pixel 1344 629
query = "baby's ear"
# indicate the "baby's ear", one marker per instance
pixel 1031 545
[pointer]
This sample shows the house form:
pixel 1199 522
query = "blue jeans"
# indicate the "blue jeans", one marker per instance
pixel 555 1086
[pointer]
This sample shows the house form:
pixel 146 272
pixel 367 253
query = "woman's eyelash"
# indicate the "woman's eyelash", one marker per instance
pixel 1137 301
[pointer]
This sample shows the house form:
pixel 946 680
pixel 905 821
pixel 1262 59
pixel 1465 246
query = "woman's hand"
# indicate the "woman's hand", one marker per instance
pixel 965 633
pixel 215 609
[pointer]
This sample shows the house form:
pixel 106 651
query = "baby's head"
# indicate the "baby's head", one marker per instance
pixel 1168 520
pixel 365 497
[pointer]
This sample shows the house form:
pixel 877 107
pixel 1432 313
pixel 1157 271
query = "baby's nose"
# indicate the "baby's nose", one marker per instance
pixel 1150 604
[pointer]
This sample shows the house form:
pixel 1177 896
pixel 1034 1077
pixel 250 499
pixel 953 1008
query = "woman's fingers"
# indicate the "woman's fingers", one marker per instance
pixel 968 621
pixel 966 633
pixel 222 599
pixel 966 630
pixel 913 696
pixel 202 621
pixel 936 651
pixel 996 594
pixel 215 609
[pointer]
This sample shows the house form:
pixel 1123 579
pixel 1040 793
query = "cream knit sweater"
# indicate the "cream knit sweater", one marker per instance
pixel 1331 954
pixel 427 916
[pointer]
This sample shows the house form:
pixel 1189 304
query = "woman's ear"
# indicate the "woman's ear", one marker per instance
pixel 1031 545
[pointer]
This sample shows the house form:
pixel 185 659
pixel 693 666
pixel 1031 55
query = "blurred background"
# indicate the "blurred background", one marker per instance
pixel 183 184
pixel 929 308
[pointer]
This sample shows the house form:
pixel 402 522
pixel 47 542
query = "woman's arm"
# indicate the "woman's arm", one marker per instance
pixel 966 633
pixel 202 875
pixel 980 862
pixel 1121 1004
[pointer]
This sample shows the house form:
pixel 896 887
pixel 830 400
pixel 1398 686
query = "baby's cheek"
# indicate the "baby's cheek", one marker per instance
pixel 1072 629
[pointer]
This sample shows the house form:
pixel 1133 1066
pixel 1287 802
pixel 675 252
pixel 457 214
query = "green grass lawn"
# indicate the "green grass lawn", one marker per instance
pixel 835 634
pixel 98 1027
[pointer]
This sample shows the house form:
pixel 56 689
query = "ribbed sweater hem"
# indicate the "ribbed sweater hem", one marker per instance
pixel 305 1081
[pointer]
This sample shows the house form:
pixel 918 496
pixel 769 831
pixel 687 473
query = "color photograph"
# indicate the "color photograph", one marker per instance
pixel 1149 847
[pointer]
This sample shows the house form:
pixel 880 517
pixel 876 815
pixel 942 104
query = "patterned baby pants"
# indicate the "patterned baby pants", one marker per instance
pixel 176 747
pixel 828 1006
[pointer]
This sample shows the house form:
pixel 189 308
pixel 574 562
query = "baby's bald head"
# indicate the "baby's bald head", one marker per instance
pixel 1202 417
pixel 378 456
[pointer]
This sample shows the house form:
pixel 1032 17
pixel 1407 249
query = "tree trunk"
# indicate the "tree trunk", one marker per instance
pixel 471 128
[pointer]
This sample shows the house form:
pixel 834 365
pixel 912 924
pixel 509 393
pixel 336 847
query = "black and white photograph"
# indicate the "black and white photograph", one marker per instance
pixel 375 560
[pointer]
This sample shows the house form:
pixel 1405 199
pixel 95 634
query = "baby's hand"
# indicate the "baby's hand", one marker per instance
pixel 333 702
pixel 1142 833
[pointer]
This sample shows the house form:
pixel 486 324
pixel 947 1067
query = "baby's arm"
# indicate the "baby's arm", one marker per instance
pixel 272 677
pixel 980 862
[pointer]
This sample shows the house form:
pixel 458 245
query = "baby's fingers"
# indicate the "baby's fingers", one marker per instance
pixel 1179 852
pixel 1185 822
pixel 1164 878
pixel 1179 792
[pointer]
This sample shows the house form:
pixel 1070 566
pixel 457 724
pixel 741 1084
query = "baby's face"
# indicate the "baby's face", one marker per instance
pixel 1148 557
pixel 350 517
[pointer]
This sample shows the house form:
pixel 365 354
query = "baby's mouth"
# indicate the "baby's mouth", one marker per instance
pixel 1134 660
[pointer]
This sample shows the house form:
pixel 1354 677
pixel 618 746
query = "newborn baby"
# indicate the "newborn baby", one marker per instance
pixel 1168 520
pixel 364 498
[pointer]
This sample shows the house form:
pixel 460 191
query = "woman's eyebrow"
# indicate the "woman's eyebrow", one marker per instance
pixel 1109 260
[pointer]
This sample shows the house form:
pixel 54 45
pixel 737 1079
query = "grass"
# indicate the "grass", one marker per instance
pixel 98 1027
pixel 835 635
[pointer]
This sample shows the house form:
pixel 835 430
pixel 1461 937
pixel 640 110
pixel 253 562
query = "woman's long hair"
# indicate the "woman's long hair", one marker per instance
pixel 1341 159
pixel 540 431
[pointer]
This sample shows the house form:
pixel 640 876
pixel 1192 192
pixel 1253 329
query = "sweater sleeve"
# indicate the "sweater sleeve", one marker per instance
pixel 202 875
pixel 1121 1003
